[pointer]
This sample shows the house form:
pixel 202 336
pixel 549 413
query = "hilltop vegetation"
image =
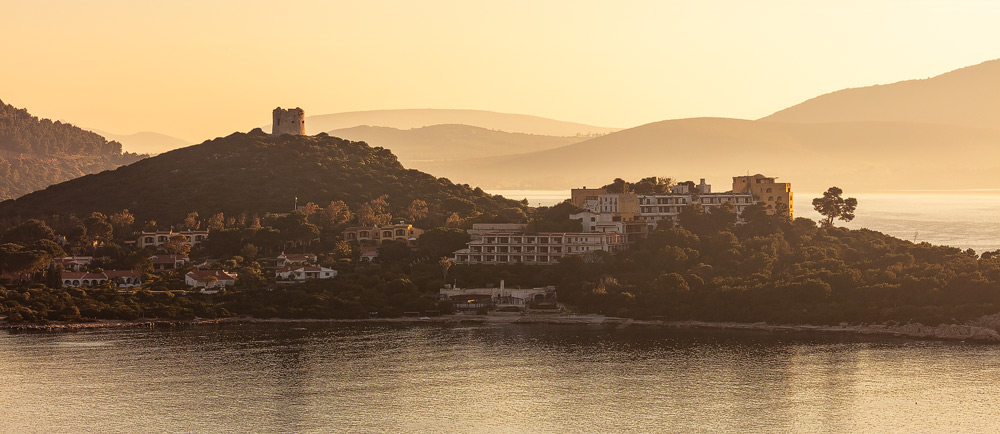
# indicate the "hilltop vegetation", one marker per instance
pixel 36 153
pixel 252 174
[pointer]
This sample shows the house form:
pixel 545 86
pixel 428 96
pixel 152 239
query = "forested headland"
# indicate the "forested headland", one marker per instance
pixel 36 153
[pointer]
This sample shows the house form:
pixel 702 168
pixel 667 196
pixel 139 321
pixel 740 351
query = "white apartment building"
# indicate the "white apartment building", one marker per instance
pixel 536 248
pixel 655 208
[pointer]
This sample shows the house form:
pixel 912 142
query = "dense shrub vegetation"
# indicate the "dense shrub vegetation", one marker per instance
pixel 254 174
pixel 36 153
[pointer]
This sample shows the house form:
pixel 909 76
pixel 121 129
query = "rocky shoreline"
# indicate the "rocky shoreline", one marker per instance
pixel 984 329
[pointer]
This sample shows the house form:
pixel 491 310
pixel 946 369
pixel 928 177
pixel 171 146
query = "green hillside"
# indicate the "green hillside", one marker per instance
pixel 255 173
pixel 36 153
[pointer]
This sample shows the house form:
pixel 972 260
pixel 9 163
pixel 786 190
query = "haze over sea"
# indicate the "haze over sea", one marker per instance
pixel 969 219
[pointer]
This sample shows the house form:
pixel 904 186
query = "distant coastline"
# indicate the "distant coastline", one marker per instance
pixel 983 330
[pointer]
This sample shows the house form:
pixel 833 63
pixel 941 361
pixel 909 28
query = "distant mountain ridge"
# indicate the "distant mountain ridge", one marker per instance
pixel 859 156
pixel 35 153
pixel 416 118
pixel 965 97
pixel 450 142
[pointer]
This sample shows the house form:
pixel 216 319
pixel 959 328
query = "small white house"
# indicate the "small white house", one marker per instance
pixel 209 279
pixel 305 273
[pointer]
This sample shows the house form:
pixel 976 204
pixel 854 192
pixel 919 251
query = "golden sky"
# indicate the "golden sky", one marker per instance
pixel 200 69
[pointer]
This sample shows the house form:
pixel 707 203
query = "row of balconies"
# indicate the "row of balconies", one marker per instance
pixel 522 240
pixel 515 249
pixel 504 259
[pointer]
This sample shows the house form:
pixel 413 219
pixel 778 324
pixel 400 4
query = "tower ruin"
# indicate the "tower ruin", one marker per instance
pixel 291 121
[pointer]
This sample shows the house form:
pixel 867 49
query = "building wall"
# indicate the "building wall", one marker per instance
pixel 156 239
pixel 536 248
pixel 400 231
pixel 767 190
pixel 580 196
pixel 290 121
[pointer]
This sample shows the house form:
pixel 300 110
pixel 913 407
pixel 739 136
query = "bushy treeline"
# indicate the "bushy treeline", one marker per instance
pixel 40 304
pixel 36 153
pixel 22 132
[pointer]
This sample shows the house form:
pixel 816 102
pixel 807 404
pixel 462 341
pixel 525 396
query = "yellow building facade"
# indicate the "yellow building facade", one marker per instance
pixel 765 189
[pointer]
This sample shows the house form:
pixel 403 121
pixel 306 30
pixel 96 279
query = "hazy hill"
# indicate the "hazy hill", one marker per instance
pixel 256 173
pixel 964 97
pixel 35 153
pixel 858 156
pixel 146 142
pixel 416 118
pixel 450 142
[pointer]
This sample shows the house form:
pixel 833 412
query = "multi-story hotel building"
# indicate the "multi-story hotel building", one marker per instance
pixel 536 248
pixel 655 208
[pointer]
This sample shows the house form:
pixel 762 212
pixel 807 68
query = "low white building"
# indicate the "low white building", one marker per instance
pixel 209 279
pixel 300 273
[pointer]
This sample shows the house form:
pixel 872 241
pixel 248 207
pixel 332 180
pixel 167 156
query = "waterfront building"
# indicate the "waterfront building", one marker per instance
pixel 501 298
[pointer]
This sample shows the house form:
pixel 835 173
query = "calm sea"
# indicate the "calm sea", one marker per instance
pixel 966 219
pixel 490 379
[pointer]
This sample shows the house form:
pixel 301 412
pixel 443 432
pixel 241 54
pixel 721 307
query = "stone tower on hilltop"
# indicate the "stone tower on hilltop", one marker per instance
pixel 291 121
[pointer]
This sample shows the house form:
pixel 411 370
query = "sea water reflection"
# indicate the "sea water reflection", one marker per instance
pixel 511 378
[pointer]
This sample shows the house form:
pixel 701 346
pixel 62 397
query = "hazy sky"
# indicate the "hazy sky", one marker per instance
pixel 200 69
